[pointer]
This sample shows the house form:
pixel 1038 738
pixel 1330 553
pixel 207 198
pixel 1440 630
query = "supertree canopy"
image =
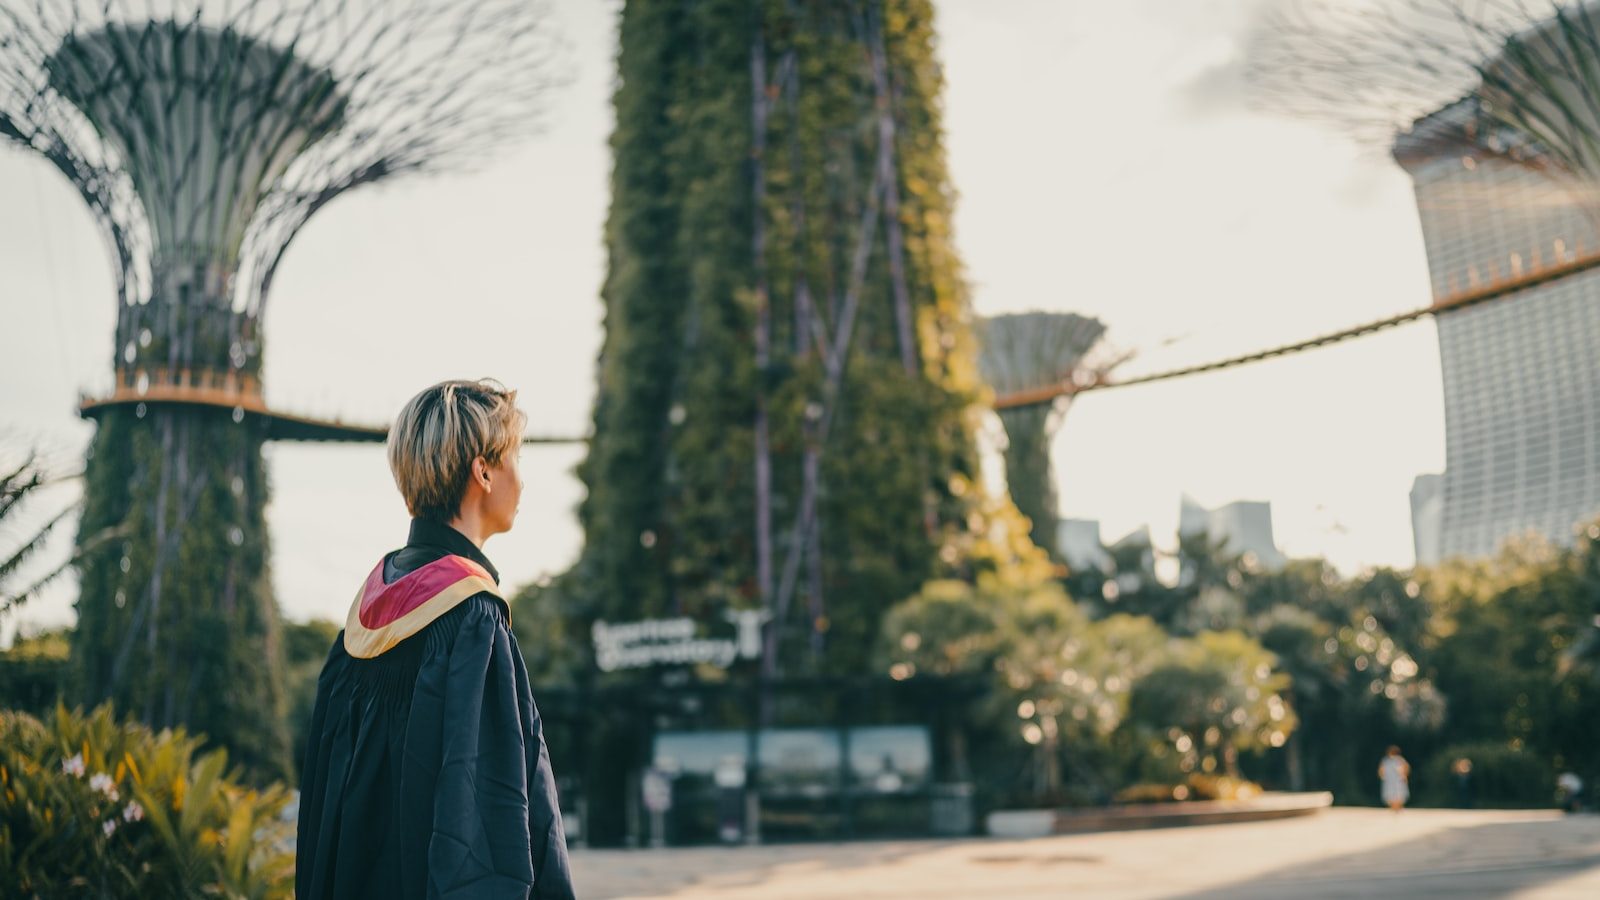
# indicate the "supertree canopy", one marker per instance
pixel 1027 351
pixel 1523 74
pixel 202 136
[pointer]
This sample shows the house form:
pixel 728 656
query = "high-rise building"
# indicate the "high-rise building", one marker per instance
pixel 1244 526
pixel 1521 374
pixel 1079 546
pixel 1427 510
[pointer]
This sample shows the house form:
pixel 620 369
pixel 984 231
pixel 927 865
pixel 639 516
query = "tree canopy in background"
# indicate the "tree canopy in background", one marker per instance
pixel 1297 678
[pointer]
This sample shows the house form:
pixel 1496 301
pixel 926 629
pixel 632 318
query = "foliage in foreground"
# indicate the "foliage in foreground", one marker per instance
pixel 93 807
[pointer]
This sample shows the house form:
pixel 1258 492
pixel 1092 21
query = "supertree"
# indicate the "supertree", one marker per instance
pixel 787 387
pixel 1522 75
pixel 1028 351
pixel 202 136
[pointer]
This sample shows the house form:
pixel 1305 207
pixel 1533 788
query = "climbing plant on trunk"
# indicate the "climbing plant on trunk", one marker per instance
pixel 787 382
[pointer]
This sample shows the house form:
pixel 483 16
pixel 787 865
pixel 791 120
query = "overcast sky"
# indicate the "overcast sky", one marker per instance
pixel 1106 165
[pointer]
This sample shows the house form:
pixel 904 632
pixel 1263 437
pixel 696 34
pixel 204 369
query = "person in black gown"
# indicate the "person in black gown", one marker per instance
pixel 425 772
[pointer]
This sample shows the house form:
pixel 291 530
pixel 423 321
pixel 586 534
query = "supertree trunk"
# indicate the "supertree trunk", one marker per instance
pixel 202 139
pixel 177 622
pixel 1030 476
pixel 787 383
pixel 1028 351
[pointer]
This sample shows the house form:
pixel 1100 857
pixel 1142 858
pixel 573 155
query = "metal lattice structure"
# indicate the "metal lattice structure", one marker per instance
pixel 1022 351
pixel 1524 70
pixel 1031 351
pixel 1520 86
pixel 203 135
pixel 1493 109
pixel 209 133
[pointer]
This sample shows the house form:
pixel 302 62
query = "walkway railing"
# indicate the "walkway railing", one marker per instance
pixel 241 394
pixel 1481 288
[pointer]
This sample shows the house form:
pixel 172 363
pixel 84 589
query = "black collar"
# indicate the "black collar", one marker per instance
pixel 436 534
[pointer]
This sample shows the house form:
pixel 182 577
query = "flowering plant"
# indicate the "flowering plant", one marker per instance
pixel 90 806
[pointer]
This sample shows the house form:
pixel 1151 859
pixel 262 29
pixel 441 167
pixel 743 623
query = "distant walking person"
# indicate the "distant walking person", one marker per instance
pixel 1395 773
pixel 426 774
pixel 1569 792
pixel 1462 770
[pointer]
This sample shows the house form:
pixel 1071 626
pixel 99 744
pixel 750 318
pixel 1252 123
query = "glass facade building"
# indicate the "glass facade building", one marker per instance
pixel 1521 374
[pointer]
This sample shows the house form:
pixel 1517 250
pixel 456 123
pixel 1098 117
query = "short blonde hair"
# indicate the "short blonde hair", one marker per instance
pixel 438 434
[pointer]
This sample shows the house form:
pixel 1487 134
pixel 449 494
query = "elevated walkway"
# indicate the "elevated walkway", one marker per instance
pixel 1480 287
pixel 241 395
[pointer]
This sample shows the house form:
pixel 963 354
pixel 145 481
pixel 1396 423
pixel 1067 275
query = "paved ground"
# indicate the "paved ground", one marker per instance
pixel 1339 853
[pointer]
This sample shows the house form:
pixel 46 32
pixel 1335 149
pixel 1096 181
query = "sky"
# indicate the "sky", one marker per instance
pixel 1106 163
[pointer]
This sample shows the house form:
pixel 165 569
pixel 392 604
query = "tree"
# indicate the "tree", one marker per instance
pixel 305 649
pixel 1220 694
pixel 1504 663
pixel 1059 683
pixel 543 619
pixel 22 486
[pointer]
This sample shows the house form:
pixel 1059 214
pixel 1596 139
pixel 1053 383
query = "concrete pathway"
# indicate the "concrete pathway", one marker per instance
pixel 1339 853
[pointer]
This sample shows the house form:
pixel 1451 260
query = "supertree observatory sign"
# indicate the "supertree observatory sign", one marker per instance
pixel 651 642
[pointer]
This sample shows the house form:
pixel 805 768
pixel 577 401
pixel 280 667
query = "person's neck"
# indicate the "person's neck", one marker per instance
pixel 471 526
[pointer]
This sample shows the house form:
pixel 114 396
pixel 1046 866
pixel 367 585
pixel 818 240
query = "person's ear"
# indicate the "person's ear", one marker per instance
pixel 480 471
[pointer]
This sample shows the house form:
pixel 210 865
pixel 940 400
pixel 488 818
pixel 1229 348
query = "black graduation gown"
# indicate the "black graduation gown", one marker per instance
pixel 425 772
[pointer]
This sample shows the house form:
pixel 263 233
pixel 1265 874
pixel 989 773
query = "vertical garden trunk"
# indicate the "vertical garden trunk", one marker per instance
pixel 202 136
pixel 1029 473
pixel 176 620
pixel 786 378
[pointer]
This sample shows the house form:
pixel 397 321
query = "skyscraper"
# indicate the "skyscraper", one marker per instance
pixel 1427 509
pixel 1521 374
pixel 1078 545
pixel 1243 526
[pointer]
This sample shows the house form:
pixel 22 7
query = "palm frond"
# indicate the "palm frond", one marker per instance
pixel 18 487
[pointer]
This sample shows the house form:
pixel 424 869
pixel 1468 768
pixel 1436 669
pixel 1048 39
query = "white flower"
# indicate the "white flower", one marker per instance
pixel 109 826
pixel 73 766
pixel 133 812
pixel 105 785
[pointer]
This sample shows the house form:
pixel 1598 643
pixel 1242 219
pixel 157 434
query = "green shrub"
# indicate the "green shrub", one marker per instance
pixel 97 808
pixel 1195 787
pixel 305 649
pixel 1221 787
pixel 33 673
pixel 1146 792
pixel 1501 777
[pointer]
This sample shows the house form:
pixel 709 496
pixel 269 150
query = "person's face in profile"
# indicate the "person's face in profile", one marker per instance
pixel 505 492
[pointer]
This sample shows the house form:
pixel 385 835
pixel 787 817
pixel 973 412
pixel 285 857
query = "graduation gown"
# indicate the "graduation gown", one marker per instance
pixel 425 772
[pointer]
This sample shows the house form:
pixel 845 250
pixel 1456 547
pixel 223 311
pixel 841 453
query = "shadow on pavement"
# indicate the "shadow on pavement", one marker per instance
pixel 649 873
pixel 1495 860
